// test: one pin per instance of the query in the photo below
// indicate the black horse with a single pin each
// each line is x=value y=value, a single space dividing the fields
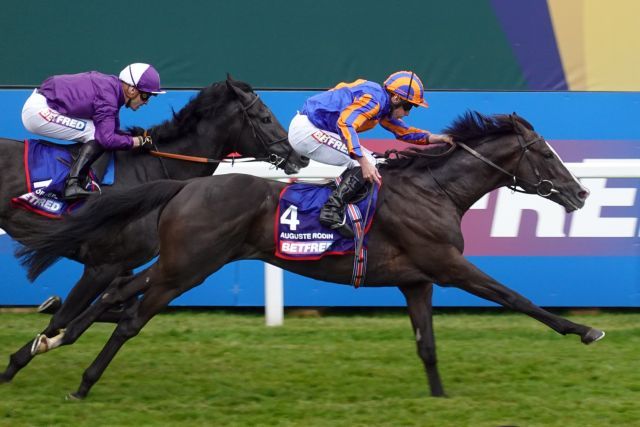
x=415 y=240
x=223 y=118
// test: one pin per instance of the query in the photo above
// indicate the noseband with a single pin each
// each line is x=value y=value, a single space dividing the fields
x=273 y=158
x=544 y=187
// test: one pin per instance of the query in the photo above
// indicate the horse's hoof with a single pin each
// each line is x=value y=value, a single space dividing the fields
x=592 y=336
x=51 y=305
x=74 y=396
x=39 y=345
x=4 y=379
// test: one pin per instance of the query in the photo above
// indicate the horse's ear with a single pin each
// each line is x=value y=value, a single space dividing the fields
x=229 y=78
x=515 y=122
x=233 y=87
x=244 y=97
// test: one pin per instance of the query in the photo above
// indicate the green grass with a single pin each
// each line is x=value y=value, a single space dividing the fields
x=214 y=368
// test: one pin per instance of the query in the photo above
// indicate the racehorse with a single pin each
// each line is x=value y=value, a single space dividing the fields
x=223 y=118
x=414 y=242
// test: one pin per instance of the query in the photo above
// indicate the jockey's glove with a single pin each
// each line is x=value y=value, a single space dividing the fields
x=146 y=143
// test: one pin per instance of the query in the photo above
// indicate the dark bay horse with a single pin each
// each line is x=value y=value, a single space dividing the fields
x=223 y=118
x=415 y=240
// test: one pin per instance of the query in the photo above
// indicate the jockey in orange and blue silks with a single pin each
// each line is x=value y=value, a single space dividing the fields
x=326 y=130
x=355 y=107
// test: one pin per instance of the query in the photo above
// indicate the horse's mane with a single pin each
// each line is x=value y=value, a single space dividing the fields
x=471 y=128
x=204 y=104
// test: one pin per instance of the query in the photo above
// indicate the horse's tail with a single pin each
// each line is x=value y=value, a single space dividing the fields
x=45 y=243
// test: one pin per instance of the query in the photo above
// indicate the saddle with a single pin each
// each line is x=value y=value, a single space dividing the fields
x=47 y=167
x=46 y=154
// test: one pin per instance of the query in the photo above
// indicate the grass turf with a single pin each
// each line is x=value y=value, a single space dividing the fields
x=217 y=368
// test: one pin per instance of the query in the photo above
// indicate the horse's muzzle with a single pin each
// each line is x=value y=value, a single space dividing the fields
x=291 y=169
x=294 y=164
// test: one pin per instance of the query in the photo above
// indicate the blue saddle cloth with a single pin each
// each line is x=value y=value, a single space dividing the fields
x=46 y=169
x=299 y=234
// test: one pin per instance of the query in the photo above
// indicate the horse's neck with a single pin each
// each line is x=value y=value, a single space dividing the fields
x=195 y=145
x=135 y=168
x=466 y=179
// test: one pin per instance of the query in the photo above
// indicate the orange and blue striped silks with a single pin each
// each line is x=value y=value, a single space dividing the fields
x=359 y=116
x=406 y=133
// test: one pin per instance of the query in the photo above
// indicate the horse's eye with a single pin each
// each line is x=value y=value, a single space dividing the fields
x=548 y=155
x=266 y=120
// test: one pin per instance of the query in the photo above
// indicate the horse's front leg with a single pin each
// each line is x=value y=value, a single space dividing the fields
x=457 y=271
x=93 y=281
x=419 y=304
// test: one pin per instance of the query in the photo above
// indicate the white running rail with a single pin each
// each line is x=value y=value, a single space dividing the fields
x=274 y=293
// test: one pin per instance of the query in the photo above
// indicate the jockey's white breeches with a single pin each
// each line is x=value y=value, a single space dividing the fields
x=321 y=145
x=39 y=118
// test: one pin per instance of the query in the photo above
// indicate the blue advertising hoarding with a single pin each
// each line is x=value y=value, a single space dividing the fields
x=589 y=258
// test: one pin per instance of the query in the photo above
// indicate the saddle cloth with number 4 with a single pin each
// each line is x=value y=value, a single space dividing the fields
x=299 y=234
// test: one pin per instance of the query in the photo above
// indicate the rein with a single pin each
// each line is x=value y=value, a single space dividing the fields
x=540 y=186
x=544 y=187
x=271 y=159
x=414 y=153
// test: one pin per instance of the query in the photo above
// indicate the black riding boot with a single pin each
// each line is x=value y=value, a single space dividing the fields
x=332 y=214
x=88 y=154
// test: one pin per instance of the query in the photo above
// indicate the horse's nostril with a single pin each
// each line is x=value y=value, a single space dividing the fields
x=583 y=195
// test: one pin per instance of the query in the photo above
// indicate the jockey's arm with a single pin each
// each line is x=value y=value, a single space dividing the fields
x=406 y=133
x=351 y=119
x=414 y=135
x=435 y=138
x=369 y=170
x=106 y=134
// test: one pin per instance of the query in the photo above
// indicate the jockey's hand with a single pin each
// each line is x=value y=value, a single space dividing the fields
x=143 y=143
x=435 y=138
x=369 y=171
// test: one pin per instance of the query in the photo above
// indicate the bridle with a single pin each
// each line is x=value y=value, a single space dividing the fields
x=544 y=187
x=272 y=158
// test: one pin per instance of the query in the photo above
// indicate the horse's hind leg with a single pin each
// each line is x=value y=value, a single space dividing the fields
x=468 y=277
x=93 y=281
x=119 y=291
x=419 y=304
x=52 y=304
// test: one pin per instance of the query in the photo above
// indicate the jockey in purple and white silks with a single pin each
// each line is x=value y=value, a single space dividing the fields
x=85 y=108
x=326 y=130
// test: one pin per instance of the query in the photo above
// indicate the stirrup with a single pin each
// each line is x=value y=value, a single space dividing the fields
x=341 y=227
x=345 y=230
x=77 y=195
x=74 y=191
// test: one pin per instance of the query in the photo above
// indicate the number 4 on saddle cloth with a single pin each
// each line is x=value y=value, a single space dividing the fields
x=46 y=169
x=300 y=236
